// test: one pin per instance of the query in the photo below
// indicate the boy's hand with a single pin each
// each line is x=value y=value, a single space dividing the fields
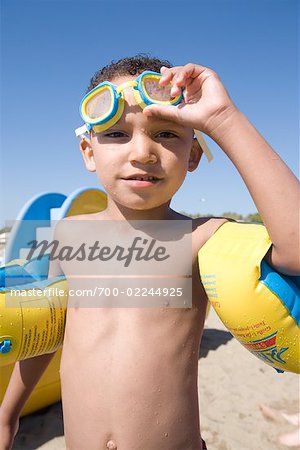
x=206 y=101
x=8 y=432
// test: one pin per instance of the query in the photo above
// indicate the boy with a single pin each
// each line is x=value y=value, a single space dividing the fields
x=137 y=387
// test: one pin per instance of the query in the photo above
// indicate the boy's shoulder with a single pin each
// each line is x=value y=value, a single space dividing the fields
x=63 y=223
x=70 y=224
x=205 y=227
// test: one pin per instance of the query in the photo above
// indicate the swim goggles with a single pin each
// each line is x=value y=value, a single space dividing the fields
x=103 y=106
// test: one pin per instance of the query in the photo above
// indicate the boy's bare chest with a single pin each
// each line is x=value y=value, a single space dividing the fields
x=150 y=334
x=147 y=327
x=164 y=332
x=137 y=329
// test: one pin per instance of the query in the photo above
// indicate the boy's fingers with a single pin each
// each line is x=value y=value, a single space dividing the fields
x=163 y=69
x=190 y=74
x=193 y=85
x=168 y=74
x=175 y=90
x=182 y=76
x=191 y=77
x=185 y=72
x=192 y=70
x=166 y=78
x=177 y=84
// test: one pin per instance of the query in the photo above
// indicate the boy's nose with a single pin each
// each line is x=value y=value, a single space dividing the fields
x=142 y=151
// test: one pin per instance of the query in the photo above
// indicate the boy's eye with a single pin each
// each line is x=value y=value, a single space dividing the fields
x=166 y=135
x=115 y=134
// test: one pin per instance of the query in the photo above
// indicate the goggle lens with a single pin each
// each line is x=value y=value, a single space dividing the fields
x=98 y=105
x=156 y=92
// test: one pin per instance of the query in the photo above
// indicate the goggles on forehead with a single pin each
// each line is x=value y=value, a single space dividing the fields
x=103 y=106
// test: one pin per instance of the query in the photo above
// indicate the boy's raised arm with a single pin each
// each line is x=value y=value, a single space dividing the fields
x=272 y=185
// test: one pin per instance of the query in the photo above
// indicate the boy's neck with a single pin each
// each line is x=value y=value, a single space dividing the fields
x=116 y=211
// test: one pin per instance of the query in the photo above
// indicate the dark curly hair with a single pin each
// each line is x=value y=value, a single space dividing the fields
x=133 y=65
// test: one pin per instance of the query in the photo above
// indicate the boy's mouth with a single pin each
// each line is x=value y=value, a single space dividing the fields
x=142 y=177
x=142 y=180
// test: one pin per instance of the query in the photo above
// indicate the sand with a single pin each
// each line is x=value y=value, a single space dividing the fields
x=232 y=383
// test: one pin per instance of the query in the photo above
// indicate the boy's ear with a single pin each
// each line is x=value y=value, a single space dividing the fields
x=88 y=154
x=195 y=156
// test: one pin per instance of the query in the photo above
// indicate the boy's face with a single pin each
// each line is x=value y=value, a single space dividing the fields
x=138 y=146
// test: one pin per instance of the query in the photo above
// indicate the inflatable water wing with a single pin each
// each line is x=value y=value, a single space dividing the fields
x=34 y=312
x=30 y=326
x=259 y=306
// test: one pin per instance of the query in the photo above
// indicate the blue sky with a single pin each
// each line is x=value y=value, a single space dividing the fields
x=50 y=50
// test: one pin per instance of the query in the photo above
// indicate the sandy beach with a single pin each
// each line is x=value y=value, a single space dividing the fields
x=232 y=383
